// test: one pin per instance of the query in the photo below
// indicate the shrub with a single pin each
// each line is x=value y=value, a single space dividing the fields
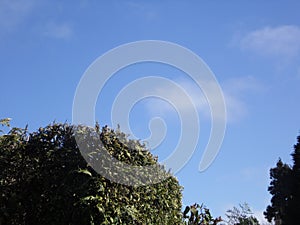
x=44 y=179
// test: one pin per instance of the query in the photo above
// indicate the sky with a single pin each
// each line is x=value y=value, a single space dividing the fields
x=252 y=48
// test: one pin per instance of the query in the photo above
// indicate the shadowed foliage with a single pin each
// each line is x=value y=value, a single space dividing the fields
x=241 y=215
x=199 y=215
x=44 y=179
x=285 y=191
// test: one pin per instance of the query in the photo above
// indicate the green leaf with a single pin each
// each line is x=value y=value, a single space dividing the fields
x=85 y=171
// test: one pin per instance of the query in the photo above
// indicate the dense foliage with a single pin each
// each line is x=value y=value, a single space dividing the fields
x=44 y=179
x=285 y=191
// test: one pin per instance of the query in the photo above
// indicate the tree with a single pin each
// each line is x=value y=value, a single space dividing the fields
x=241 y=216
x=198 y=215
x=293 y=209
x=5 y=122
x=44 y=179
x=285 y=191
x=280 y=189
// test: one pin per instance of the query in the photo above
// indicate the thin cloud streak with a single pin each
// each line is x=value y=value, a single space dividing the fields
x=282 y=41
x=144 y=10
x=14 y=12
x=58 y=31
x=232 y=90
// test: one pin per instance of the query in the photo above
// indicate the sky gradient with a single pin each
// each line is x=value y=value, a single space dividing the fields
x=252 y=47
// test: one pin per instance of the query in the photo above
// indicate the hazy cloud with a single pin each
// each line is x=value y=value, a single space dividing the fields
x=142 y=9
x=283 y=41
x=233 y=89
x=298 y=73
x=236 y=90
x=259 y=214
x=59 y=31
x=197 y=98
x=13 y=12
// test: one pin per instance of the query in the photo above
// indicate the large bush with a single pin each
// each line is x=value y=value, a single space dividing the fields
x=45 y=180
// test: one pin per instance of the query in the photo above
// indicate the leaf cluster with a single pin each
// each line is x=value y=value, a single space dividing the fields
x=198 y=215
x=46 y=179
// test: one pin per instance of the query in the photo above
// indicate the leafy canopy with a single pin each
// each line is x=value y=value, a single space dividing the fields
x=44 y=179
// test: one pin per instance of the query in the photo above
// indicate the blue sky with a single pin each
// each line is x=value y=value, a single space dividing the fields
x=253 y=48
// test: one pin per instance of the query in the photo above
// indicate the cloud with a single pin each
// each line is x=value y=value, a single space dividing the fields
x=58 y=31
x=144 y=10
x=233 y=90
x=254 y=175
x=14 y=12
x=236 y=91
x=259 y=214
x=298 y=73
x=282 y=41
x=197 y=99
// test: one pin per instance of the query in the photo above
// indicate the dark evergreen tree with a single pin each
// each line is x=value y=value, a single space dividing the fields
x=285 y=191
x=280 y=189
x=293 y=210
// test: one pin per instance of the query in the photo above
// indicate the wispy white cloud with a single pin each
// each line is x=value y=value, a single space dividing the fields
x=298 y=73
x=282 y=41
x=58 y=30
x=142 y=9
x=237 y=85
x=162 y=107
x=248 y=175
x=233 y=91
x=14 y=12
x=259 y=214
x=236 y=90
x=197 y=99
